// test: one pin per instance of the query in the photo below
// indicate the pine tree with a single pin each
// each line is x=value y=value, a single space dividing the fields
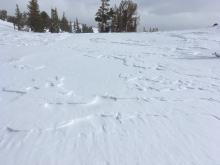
x=70 y=27
x=116 y=19
x=74 y=26
x=77 y=28
x=102 y=16
x=11 y=19
x=34 y=19
x=3 y=15
x=86 y=29
x=64 y=25
x=125 y=17
x=18 y=18
x=24 y=19
x=55 y=23
x=45 y=20
x=111 y=15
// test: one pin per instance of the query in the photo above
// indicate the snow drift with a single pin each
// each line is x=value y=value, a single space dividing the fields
x=109 y=99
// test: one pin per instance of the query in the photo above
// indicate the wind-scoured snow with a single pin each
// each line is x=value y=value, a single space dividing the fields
x=109 y=99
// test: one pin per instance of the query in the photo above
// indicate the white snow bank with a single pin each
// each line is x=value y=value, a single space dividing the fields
x=6 y=25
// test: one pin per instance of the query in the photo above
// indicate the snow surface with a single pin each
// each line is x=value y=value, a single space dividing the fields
x=109 y=99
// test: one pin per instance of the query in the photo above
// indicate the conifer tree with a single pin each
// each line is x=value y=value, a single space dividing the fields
x=34 y=19
x=11 y=19
x=102 y=16
x=45 y=20
x=74 y=26
x=125 y=17
x=64 y=25
x=115 y=19
x=111 y=14
x=77 y=28
x=18 y=18
x=24 y=19
x=3 y=15
x=55 y=23
x=86 y=29
x=70 y=27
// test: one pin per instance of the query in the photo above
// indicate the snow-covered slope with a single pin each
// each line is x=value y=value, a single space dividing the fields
x=6 y=25
x=110 y=99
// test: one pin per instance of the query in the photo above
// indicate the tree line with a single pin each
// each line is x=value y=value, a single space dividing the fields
x=122 y=18
x=117 y=18
x=40 y=21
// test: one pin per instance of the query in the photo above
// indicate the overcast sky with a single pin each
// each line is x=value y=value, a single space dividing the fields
x=165 y=14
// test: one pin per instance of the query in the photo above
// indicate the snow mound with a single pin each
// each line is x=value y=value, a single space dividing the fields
x=4 y=25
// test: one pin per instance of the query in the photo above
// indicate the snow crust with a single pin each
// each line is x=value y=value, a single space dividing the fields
x=109 y=99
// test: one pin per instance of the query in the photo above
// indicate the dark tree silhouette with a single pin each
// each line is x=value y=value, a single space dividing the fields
x=34 y=18
x=102 y=16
